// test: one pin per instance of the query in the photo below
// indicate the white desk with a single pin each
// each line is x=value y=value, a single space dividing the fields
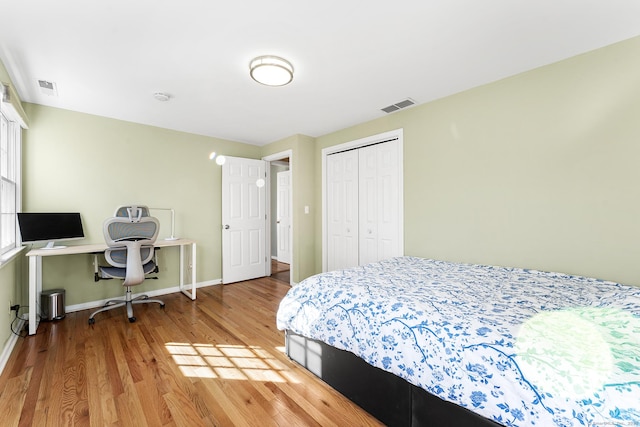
x=35 y=270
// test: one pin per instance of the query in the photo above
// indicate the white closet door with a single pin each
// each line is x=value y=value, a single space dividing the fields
x=390 y=191
x=368 y=202
x=379 y=201
x=342 y=214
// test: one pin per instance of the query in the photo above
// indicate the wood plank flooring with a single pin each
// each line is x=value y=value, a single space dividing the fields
x=280 y=271
x=216 y=361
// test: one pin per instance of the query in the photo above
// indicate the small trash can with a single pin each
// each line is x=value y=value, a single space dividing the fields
x=52 y=304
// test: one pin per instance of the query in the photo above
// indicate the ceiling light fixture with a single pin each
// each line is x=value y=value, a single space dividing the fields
x=271 y=70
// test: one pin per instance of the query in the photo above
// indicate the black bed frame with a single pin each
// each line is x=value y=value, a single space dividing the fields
x=387 y=397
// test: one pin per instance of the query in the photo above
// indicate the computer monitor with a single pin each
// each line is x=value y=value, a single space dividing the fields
x=50 y=227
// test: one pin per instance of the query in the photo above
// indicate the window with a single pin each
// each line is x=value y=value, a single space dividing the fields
x=10 y=142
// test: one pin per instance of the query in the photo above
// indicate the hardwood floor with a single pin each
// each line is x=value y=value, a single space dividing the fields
x=280 y=271
x=216 y=361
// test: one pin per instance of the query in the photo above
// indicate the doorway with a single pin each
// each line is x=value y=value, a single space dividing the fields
x=280 y=271
x=280 y=210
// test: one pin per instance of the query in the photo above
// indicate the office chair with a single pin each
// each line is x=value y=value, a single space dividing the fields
x=130 y=236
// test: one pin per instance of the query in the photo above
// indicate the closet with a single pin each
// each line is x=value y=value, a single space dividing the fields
x=363 y=204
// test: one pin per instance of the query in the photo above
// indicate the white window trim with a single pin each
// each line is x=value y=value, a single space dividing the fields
x=15 y=125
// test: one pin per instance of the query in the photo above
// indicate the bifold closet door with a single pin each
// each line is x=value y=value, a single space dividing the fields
x=342 y=210
x=379 y=201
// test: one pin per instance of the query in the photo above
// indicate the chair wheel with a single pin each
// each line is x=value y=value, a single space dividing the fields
x=92 y=321
x=132 y=319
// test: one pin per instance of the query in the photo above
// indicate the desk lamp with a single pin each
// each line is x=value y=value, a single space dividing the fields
x=173 y=222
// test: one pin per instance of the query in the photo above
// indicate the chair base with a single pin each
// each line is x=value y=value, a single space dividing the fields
x=128 y=303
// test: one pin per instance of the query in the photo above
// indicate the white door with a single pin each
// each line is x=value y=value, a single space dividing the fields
x=379 y=200
x=243 y=219
x=342 y=210
x=284 y=217
x=362 y=196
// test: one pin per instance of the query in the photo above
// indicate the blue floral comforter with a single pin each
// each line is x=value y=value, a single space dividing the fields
x=520 y=347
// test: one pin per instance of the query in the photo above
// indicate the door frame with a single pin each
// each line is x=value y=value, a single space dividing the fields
x=287 y=154
x=352 y=145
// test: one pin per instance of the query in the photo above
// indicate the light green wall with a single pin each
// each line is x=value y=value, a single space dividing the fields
x=304 y=188
x=539 y=170
x=90 y=164
x=10 y=278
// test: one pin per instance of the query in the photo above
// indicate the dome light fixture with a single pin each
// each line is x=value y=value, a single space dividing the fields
x=271 y=70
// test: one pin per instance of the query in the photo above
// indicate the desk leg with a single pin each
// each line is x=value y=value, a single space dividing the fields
x=35 y=288
x=191 y=294
x=193 y=271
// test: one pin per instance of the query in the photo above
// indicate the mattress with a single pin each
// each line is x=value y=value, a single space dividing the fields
x=520 y=347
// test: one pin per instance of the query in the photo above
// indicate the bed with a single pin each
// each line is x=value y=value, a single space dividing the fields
x=410 y=339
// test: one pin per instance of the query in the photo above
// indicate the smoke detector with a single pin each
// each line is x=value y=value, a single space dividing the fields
x=161 y=96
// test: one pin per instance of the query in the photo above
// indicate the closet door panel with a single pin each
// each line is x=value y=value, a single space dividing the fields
x=379 y=201
x=342 y=197
x=388 y=201
x=368 y=202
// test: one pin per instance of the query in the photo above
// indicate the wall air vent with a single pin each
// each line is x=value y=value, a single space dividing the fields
x=399 y=105
x=48 y=88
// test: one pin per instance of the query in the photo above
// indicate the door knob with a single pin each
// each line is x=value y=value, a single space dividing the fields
x=226 y=226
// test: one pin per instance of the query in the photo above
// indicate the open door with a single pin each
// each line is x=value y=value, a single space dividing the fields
x=243 y=220
x=284 y=217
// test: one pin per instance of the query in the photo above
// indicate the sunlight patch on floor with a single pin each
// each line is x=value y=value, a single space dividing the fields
x=226 y=361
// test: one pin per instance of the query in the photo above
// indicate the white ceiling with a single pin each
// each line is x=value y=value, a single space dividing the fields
x=351 y=57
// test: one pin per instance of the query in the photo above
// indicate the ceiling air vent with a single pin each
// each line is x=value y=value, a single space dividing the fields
x=398 y=105
x=48 y=88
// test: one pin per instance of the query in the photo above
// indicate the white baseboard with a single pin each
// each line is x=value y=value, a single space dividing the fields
x=157 y=292
x=8 y=348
